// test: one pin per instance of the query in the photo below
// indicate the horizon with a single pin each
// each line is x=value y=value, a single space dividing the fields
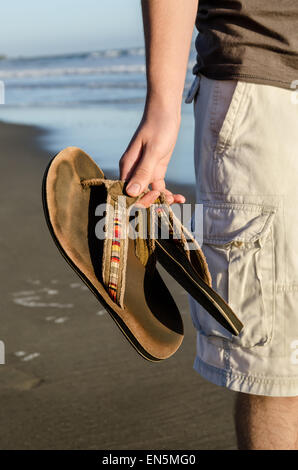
x=64 y=54
x=78 y=52
x=32 y=28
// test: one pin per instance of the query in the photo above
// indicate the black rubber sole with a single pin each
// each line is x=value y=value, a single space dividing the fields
x=196 y=287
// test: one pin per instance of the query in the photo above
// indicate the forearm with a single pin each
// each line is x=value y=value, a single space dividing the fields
x=168 y=28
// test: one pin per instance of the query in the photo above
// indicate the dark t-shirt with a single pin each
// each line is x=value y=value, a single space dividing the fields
x=249 y=40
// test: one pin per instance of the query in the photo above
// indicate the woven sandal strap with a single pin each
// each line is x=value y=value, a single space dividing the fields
x=116 y=246
x=115 y=249
x=183 y=239
x=168 y=221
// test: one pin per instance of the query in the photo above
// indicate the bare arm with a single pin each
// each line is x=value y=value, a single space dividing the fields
x=168 y=27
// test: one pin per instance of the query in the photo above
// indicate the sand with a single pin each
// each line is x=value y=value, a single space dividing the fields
x=71 y=381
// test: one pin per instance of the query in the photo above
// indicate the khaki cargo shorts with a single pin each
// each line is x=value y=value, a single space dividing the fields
x=246 y=163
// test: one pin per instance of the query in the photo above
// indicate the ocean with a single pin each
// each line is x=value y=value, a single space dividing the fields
x=92 y=100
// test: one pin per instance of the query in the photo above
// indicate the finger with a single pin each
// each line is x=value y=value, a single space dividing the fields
x=169 y=196
x=179 y=198
x=160 y=185
x=148 y=199
x=129 y=160
x=142 y=175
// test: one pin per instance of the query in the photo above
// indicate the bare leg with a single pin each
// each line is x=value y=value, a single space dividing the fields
x=266 y=422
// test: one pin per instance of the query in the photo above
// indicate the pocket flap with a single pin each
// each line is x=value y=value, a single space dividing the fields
x=227 y=222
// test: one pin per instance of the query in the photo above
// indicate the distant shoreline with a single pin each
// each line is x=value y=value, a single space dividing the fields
x=30 y=135
x=138 y=49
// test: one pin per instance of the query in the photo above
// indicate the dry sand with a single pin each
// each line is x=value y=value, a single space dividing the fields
x=71 y=381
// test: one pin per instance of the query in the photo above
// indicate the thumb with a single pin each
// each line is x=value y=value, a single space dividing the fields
x=142 y=175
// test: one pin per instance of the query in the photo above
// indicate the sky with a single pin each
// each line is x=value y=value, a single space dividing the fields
x=39 y=27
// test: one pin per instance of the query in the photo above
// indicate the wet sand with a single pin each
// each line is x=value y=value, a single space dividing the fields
x=71 y=381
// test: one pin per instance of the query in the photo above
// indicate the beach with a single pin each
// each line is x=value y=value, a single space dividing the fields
x=71 y=380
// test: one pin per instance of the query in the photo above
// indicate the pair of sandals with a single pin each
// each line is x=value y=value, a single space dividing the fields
x=113 y=245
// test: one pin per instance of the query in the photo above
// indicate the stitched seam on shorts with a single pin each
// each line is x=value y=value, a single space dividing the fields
x=271 y=331
x=264 y=379
x=224 y=195
x=214 y=133
x=246 y=207
x=224 y=241
x=285 y=251
x=251 y=378
x=229 y=123
x=287 y=288
x=213 y=113
x=285 y=227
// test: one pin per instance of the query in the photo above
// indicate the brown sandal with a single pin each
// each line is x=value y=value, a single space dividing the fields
x=120 y=271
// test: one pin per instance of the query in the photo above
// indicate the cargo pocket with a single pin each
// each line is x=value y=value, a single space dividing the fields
x=239 y=247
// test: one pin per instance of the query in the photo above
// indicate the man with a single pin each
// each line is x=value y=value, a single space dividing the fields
x=246 y=161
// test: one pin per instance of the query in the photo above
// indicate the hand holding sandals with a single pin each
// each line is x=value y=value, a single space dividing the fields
x=147 y=156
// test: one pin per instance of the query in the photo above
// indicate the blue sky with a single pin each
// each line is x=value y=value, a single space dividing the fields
x=38 y=27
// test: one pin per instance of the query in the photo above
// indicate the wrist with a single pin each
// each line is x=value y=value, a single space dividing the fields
x=167 y=105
